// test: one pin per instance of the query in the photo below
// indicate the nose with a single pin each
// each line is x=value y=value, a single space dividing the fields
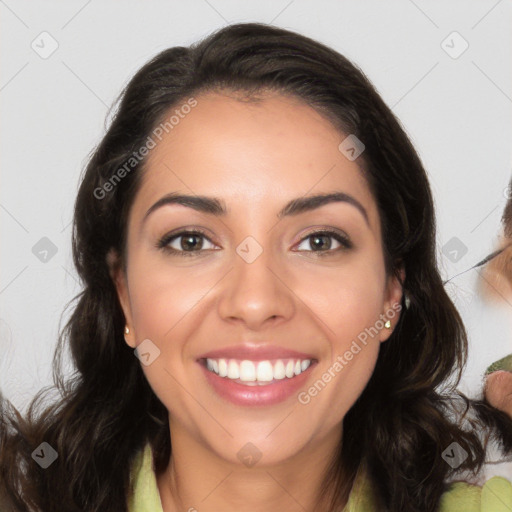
x=256 y=294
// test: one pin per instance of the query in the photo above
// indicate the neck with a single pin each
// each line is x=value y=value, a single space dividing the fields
x=198 y=479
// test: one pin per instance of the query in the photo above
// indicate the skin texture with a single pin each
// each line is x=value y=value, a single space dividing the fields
x=255 y=156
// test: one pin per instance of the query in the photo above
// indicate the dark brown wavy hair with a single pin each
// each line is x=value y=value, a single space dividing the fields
x=410 y=410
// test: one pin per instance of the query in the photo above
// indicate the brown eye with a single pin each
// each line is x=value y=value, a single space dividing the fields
x=322 y=242
x=184 y=243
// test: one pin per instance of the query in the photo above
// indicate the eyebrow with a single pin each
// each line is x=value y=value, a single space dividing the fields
x=216 y=207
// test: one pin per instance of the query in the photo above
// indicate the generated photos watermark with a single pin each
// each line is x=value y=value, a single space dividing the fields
x=305 y=397
x=150 y=143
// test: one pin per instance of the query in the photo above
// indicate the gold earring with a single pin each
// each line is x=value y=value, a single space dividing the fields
x=126 y=330
x=387 y=325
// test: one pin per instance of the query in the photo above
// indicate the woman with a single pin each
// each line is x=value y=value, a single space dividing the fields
x=258 y=230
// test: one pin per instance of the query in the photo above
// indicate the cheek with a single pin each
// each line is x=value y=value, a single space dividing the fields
x=349 y=302
x=162 y=303
x=347 y=299
x=161 y=297
x=354 y=346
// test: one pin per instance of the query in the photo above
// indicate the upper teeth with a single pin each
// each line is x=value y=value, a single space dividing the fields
x=260 y=371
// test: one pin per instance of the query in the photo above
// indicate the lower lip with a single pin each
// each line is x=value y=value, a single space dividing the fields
x=240 y=394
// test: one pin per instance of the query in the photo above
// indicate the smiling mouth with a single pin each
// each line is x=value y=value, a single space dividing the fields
x=257 y=373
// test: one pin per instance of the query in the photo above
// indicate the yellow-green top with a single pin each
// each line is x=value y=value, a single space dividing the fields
x=494 y=496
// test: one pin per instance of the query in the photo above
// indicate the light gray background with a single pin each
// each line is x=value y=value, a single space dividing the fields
x=456 y=110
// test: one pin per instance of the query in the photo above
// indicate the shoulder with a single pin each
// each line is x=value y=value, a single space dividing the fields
x=494 y=496
x=145 y=496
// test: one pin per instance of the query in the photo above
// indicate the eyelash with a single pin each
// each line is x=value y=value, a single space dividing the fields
x=345 y=242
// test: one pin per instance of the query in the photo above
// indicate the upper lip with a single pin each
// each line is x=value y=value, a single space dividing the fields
x=255 y=353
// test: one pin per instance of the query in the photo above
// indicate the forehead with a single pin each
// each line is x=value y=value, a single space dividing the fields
x=251 y=153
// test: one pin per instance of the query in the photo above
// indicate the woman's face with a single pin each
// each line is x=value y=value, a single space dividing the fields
x=257 y=293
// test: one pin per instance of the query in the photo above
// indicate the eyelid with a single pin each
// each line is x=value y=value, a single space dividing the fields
x=163 y=242
x=335 y=233
x=324 y=229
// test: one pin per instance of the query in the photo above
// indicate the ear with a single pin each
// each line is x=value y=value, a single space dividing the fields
x=118 y=276
x=392 y=302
